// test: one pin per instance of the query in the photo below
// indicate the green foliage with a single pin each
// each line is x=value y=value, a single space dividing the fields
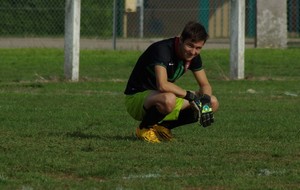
x=96 y=18
x=57 y=134
x=35 y=17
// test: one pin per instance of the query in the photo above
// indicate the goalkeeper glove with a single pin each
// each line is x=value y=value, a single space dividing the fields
x=202 y=105
x=207 y=116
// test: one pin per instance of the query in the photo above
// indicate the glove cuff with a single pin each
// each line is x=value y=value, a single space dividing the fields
x=205 y=98
x=190 y=96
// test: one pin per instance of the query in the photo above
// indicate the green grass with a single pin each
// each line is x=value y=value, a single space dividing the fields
x=56 y=134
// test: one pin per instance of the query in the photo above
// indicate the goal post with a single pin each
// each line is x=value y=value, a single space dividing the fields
x=237 y=39
x=72 y=39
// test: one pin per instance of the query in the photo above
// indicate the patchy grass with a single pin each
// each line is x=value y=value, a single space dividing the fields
x=64 y=135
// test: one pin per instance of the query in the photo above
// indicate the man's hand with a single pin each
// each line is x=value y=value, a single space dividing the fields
x=202 y=105
x=207 y=116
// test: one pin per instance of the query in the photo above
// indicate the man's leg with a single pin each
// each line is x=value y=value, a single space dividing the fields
x=135 y=107
x=186 y=116
x=152 y=117
x=147 y=129
x=157 y=105
x=161 y=104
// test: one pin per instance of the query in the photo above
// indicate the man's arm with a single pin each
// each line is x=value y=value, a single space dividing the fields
x=163 y=85
x=204 y=86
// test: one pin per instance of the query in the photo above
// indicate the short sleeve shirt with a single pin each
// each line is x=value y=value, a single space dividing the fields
x=159 y=53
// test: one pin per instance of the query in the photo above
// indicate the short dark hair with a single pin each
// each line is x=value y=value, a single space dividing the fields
x=194 y=31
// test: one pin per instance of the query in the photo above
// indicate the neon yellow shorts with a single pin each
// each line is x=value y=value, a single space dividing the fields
x=135 y=106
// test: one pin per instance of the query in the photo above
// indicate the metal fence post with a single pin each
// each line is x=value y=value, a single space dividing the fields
x=141 y=21
x=115 y=25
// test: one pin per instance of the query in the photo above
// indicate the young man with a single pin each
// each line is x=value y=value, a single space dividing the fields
x=153 y=98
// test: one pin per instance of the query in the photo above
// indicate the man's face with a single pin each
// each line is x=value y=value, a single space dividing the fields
x=190 y=49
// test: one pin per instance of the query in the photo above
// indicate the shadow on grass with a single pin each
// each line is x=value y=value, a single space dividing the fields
x=81 y=135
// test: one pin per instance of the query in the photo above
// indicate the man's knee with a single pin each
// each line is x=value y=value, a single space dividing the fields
x=214 y=103
x=167 y=103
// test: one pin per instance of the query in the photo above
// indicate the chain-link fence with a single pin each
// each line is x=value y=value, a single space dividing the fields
x=165 y=18
x=136 y=20
x=294 y=18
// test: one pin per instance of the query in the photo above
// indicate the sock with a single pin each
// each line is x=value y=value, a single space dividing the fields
x=153 y=116
x=185 y=117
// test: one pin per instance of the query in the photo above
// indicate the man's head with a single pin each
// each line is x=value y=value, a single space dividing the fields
x=194 y=31
x=192 y=39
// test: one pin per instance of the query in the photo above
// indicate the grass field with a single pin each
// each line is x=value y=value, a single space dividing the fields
x=57 y=134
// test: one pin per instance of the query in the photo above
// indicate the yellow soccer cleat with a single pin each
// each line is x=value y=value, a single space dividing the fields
x=163 y=132
x=148 y=135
